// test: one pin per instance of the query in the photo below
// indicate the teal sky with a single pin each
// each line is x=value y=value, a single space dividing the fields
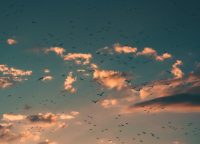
x=149 y=94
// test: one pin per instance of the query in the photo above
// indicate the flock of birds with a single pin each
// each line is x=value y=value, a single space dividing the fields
x=17 y=9
x=138 y=136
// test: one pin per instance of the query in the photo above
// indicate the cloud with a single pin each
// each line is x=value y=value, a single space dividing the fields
x=47 y=78
x=93 y=66
x=163 y=57
x=12 y=117
x=68 y=83
x=79 y=58
x=109 y=103
x=153 y=53
x=110 y=79
x=160 y=88
x=13 y=71
x=66 y=116
x=126 y=98
x=148 y=51
x=124 y=49
x=176 y=71
x=117 y=48
x=47 y=118
x=176 y=103
x=11 y=41
x=46 y=70
x=105 y=50
x=58 y=50
x=23 y=129
x=12 y=75
x=74 y=113
x=5 y=82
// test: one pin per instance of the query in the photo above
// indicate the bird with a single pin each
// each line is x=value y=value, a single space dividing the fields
x=95 y=101
x=100 y=94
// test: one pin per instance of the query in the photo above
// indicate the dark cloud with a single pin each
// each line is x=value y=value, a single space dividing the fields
x=188 y=99
x=42 y=118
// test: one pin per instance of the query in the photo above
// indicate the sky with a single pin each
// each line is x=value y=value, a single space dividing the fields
x=99 y=72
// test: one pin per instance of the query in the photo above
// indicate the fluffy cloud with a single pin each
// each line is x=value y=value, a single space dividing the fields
x=110 y=79
x=153 y=53
x=124 y=49
x=58 y=50
x=79 y=58
x=176 y=71
x=68 y=83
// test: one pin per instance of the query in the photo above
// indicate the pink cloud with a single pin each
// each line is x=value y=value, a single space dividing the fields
x=11 y=41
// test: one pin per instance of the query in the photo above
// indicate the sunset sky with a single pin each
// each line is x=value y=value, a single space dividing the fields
x=99 y=72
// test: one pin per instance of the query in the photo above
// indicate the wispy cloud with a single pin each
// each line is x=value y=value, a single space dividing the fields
x=117 y=48
x=79 y=58
x=5 y=82
x=13 y=71
x=58 y=50
x=12 y=75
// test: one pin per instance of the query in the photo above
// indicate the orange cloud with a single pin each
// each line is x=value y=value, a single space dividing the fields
x=124 y=49
x=78 y=57
x=47 y=78
x=68 y=83
x=153 y=53
x=5 y=82
x=176 y=71
x=163 y=57
x=109 y=103
x=13 y=71
x=12 y=75
x=110 y=79
x=58 y=50
x=12 y=117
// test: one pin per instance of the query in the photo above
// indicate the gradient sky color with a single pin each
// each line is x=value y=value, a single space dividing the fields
x=99 y=72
